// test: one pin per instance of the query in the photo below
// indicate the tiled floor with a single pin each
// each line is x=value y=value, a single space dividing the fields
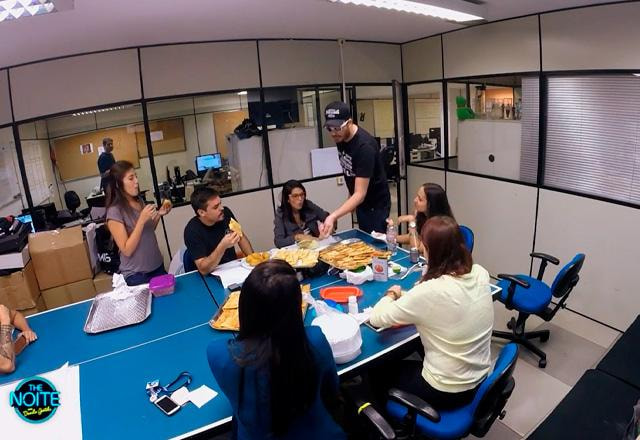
x=575 y=345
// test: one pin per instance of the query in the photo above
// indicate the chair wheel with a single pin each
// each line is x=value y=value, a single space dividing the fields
x=542 y=363
x=544 y=338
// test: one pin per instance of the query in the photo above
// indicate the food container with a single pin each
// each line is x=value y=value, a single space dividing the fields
x=340 y=294
x=162 y=285
x=343 y=334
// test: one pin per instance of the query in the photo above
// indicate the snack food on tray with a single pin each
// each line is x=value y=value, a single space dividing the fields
x=257 y=258
x=351 y=255
x=297 y=257
x=228 y=318
x=235 y=227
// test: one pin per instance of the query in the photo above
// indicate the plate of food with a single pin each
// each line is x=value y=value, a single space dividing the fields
x=350 y=254
x=297 y=258
x=252 y=260
x=227 y=318
x=308 y=244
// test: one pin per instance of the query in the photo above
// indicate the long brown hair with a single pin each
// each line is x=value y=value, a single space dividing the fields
x=447 y=253
x=114 y=188
x=437 y=204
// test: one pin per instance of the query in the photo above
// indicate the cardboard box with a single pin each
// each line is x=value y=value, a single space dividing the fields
x=40 y=307
x=15 y=260
x=103 y=282
x=19 y=290
x=69 y=294
x=59 y=257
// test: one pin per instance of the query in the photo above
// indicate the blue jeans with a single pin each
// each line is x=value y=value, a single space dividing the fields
x=373 y=219
x=138 y=278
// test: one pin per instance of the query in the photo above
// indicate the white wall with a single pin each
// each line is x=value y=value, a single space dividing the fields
x=289 y=62
x=608 y=234
x=74 y=83
x=501 y=47
x=5 y=104
x=422 y=60
x=502 y=217
x=602 y=37
x=371 y=62
x=190 y=68
x=416 y=176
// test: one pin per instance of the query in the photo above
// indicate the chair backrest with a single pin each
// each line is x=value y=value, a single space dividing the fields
x=72 y=200
x=493 y=393
x=467 y=235
x=187 y=261
x=568 y=277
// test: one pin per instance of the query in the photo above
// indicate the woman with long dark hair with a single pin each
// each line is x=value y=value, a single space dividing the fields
x=430 y=201
x=297 y=217
x=277 y=374
x=132 y=225
x=453 y=312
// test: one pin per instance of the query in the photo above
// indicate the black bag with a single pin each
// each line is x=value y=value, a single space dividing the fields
x=108 y=252
x=247 y=129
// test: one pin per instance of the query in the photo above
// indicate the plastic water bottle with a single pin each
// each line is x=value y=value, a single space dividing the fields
x=353 y=305
x=414 y=253
x=392 y=235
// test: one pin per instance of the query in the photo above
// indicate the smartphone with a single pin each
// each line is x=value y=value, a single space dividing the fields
x=166 y=405
x=375 y=329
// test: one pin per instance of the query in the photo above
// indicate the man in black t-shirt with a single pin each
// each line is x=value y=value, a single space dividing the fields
x=105 y=160
x=207 y=235
x=363 y=172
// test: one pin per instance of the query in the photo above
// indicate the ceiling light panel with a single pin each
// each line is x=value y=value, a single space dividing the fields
x=415 y=7
x=14 y=9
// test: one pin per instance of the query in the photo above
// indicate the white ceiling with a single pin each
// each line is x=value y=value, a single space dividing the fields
x=107 y=24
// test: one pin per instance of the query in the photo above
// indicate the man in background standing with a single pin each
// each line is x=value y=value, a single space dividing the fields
x=105 y=160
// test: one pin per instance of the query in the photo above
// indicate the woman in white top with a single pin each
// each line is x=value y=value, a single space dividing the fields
x=453 y=312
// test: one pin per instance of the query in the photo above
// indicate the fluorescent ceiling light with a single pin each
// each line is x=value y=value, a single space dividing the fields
x=415 y=8
x=244 y=92
x=636 y=74
x=13 y=9
x=99 y=110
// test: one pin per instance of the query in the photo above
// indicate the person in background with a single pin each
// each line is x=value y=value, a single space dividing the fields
x=297 y=217
x=132 y=225
x=430 y=201
x=363 y=171
x=10 y=319
x=279 y=376
x=105 y=161
x=452 y=310
x=207 y=235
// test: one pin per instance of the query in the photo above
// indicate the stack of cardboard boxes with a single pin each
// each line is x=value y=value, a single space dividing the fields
x=61 y=263
x=19 y=289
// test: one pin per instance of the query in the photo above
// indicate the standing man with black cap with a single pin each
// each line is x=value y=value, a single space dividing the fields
x=363 y=172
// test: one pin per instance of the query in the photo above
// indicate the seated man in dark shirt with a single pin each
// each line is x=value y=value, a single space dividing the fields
x=207 y=235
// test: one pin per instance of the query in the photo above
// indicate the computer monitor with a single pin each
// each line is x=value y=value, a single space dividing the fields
x=208 y=161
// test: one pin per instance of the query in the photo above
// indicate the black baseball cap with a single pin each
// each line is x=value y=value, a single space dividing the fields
x=336 y=114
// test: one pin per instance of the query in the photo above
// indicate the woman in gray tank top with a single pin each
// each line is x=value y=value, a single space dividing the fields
x=132 y=225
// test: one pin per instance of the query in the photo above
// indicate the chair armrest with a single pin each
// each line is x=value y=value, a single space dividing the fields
x=414 y=402
x=380 y=424
x=513 y=279
x=550 y=258
x=511 y=290
x=546 y=258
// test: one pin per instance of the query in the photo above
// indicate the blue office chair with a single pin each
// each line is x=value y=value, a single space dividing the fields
x=187 y=261
x=531 y=296
x=475 y=418
x=467 y=235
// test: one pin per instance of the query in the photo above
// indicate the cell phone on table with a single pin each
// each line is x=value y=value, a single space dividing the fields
x=375 y=329
x=166 y=405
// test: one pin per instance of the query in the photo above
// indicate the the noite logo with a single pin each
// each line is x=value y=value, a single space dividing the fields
x=35 y=399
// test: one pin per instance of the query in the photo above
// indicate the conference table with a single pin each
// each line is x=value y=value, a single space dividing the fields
x=115 y=366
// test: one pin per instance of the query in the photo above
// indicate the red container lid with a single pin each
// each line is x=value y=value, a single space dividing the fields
x=340 y=294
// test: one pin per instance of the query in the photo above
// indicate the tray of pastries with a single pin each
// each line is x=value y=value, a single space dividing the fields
x=351 y=254
x=228 y=318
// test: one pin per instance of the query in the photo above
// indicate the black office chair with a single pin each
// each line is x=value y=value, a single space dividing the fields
x=72 y=201
x=531 y=296
x=391 y=169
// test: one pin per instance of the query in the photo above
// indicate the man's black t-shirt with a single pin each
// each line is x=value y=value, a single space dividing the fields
x=201 y=239
x=360 y=157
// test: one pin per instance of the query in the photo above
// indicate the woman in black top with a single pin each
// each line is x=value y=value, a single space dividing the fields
x=297 y=218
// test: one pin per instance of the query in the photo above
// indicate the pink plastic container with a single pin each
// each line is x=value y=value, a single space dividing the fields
x=162 y=285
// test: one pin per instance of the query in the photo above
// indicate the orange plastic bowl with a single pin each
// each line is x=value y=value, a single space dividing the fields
x=340 y=294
